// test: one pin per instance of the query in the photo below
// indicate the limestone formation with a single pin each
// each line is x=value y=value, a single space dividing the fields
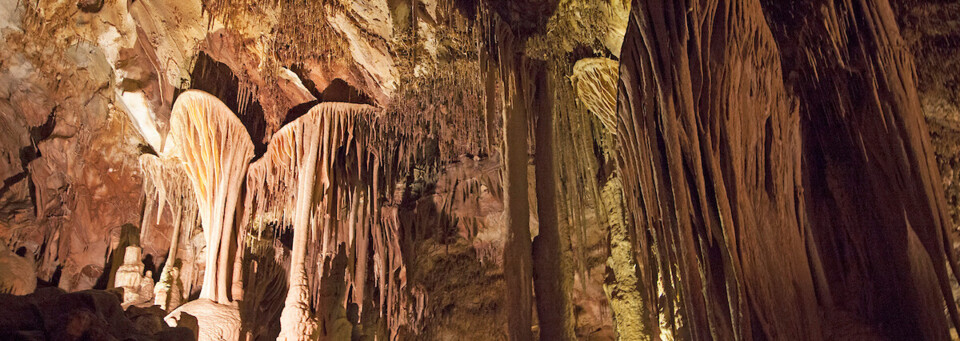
x=169 y=292
x=300 y=170
x=215 y=149
x=130 y=275
x=166 y=185
x=479 y=170
x=209 y=320
x=18 y=275
x=721 y=146
x=595 y=80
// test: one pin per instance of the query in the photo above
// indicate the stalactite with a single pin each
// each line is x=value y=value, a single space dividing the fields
x=594 y=80
x=709 y=150
x=316 y=169
x=173 y=190
x=877 y=220
x=215 y=149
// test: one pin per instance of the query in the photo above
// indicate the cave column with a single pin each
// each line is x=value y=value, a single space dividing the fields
x=553 y=305
x=516 y=254
x=295 y=320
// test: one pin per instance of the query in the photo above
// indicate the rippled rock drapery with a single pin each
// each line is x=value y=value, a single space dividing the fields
x=718 y=155
x=595 y=81
x=215 y=150
x=709 y=145
x=322 y=178
x=872 y=188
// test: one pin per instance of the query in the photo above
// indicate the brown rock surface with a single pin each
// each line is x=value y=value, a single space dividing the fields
x=766 y=173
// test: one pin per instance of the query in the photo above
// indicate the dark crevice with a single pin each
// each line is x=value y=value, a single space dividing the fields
x=301 y=73
x=217 y=79
x=341 y=91
x=298 y=111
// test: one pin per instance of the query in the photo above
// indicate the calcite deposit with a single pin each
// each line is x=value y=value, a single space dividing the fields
x=479 y=169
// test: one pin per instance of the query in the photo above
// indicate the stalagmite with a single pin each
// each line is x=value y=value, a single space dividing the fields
x=130 y=277
x=307 y=179
x=215 y=150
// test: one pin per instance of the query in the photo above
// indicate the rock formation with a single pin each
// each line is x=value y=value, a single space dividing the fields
x=208 y=320
x=708 y=180
x=18 y=275
x=130 y=278
x=489 y=169
x=595 y=82
x=215 y=150
x=166 y=185
x=314 y=166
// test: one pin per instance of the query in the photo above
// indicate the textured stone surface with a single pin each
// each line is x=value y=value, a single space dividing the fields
x=763 y=118
x=209 y=320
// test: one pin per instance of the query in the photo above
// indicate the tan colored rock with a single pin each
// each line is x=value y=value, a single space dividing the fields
x=215 y=149
x=595 y=81
x=210 y=320
x=168 y=293
x=18 y=275
x=130 y=276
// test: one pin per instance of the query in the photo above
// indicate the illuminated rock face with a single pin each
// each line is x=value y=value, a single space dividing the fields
x=209 y=320
x=215 y=150
x=299 y=169
x=18 y=275
x=167 y=186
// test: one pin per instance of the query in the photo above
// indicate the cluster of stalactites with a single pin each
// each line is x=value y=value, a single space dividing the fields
x=215 y=150
x=210 y=141
x=595 y=81
x=166 y=185
x=351 y=176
